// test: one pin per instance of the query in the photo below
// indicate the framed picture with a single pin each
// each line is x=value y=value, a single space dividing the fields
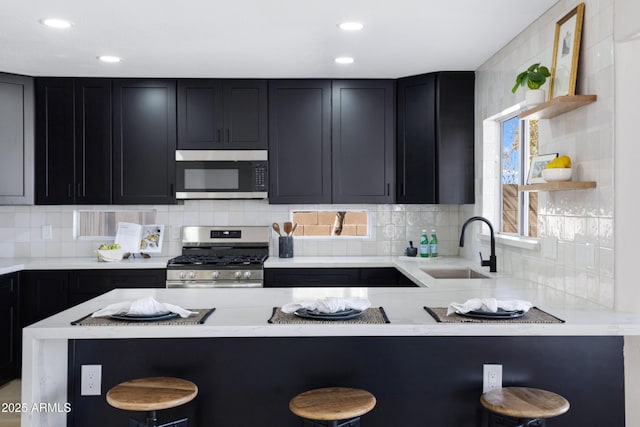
x=537 y=164
x=566 y=49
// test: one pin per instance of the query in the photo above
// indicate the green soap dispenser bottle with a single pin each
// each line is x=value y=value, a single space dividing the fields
x=433 y=244
x=424 y=244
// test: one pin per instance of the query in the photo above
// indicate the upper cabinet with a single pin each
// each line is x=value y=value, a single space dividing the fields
x=144 y=141
x=300 y=141
x=331 y=141
x=363 y=129
x=222 y=114
x=73 y=141
x=435 y=136
x=16 y=140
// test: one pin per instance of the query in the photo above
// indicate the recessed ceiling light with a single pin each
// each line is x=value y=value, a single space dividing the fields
x=55 y=23
x=108 y=58
x=351 y=26
x=344 y=60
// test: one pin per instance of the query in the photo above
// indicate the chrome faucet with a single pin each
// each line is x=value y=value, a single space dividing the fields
x=491 y=262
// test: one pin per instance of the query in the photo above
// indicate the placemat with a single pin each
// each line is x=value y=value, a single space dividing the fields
x=534 y=315
x=372 y=315
x=198 y=319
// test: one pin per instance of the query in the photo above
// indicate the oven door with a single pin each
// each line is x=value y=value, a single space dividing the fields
x=221 y=174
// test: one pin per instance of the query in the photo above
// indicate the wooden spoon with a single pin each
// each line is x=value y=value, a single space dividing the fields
x=276 y=228
x=293 y=230
x=288 y=226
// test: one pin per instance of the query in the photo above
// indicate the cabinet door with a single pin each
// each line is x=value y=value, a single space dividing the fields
x=93 y=141
x=9 y=327
x=87 y=284
x=16 y=140
x=455 y=135
x=55 y=140
x=200 y=115
x=416 y=140
x=311 y=277
x=43 y=294
x=245 y=114
x=300 y=141
x=144 y=141
x=363 y=141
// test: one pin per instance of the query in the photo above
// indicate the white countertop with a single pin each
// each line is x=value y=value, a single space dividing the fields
x=12 y=265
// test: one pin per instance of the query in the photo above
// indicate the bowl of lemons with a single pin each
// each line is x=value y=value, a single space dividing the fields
x=110 y=253
x=558 y=169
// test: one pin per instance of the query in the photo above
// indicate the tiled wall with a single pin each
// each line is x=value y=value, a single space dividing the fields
x=392 y=226
x=576 y=227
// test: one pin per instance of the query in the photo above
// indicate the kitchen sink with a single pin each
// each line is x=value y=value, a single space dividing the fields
x=454 y=273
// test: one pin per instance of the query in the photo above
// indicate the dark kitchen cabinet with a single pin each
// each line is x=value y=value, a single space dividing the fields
x=43 y=293
x=144 y=141
x=9 y=328
x=219 y=114
x=363 y=141
x=335 y=277
x=435 y=136
x=300 y=141
x=87 y=284
x=73 y=141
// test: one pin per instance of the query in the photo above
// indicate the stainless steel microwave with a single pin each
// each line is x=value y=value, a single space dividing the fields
x=221 y=174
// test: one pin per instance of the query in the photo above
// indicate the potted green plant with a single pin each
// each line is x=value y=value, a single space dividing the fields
x=533 y=77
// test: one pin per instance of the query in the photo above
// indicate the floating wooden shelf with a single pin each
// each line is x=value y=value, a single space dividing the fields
x=558 y=186
x=557 y=106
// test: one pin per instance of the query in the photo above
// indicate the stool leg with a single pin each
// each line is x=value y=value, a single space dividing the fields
x=152 y=420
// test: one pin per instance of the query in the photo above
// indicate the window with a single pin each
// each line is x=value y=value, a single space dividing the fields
x=100 y=225
x=331 y=223
x=519 y=210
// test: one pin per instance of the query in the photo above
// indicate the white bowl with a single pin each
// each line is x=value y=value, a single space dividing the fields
x=110 y=255
x=556 y=174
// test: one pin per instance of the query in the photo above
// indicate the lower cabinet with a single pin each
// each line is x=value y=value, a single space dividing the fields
x=9 y=329
x=87 y=284
x=335 y=277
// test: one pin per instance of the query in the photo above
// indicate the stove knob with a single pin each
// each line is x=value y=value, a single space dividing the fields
x=247 y=275
x=237 y=275
x=192 y=274
x=215 y=275
x=182 y=275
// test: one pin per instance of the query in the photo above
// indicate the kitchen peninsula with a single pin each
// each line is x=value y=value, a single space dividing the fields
x=419 y=370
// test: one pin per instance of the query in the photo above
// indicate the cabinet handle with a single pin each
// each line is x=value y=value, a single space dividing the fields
x=218 y=140
x=228 y=135
x=388 y=189
x=69 y=191
x=172 y=191
x=79 y=193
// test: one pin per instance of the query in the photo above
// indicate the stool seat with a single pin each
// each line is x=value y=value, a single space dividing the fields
x=152 y=394
x=524 y=402
x=332 y=403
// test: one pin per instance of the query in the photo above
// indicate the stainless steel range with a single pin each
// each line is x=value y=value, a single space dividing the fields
x=220 y=257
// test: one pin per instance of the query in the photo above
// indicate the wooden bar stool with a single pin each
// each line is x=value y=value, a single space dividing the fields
x=152 y=394
x=333 y=406
x=530 y=406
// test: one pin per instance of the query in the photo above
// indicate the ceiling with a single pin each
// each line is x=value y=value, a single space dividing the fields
x=257 y=38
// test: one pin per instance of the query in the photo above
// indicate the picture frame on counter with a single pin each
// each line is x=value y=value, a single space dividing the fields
x=566 y=51
x=536 y=166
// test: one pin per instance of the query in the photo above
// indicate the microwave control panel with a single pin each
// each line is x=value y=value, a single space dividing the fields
x=260 y=176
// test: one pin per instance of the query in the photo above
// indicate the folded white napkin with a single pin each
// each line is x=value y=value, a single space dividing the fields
x=488 y=304
x=329 y=305
x=144 y=306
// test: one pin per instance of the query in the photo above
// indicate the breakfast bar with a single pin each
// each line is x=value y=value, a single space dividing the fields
x=247 y=369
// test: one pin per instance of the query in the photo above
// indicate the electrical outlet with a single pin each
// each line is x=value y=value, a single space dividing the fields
x=491 y=377
x=90 y=380
x=47 y=232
